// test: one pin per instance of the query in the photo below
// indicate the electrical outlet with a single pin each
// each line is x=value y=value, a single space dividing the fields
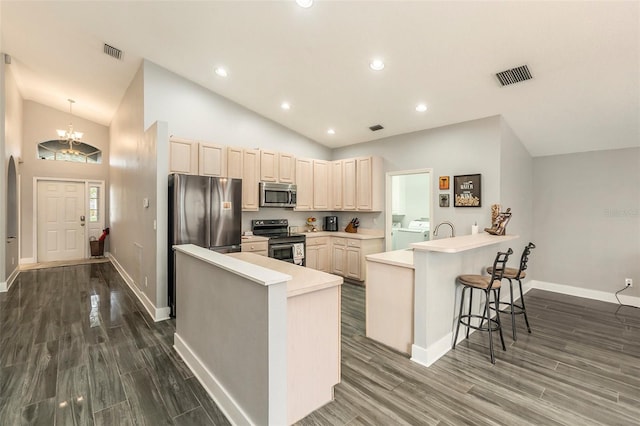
x=628 y=282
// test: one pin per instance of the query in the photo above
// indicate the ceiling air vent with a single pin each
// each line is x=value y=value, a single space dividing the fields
x=376 y=127
x=112 y=51
x=514 y=75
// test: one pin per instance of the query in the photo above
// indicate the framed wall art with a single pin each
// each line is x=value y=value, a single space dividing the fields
x=444 y=200
x=444 y=182
x=467 y=191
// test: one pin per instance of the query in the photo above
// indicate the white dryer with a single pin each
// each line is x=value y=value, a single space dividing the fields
x=417 y=231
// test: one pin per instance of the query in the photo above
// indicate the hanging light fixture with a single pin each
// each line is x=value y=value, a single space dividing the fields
x=70 y=136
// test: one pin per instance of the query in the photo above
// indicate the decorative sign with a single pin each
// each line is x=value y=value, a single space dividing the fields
x=466 y=190
x=444 y=182
x=444 y=200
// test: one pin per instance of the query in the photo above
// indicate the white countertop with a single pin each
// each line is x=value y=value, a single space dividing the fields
x=402 y=258
x=303 y=280
x=356 y=235
x=463 y=243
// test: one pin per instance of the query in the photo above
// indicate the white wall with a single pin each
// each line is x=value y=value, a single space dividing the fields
x=39 y=125
x=586 y=219
x=516 y=191
x=11 y=144
x=464 y=148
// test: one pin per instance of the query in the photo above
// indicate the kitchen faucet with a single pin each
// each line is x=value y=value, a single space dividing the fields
x=446 y=222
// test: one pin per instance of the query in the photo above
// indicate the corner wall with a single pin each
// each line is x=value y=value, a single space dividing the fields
x=587 y=219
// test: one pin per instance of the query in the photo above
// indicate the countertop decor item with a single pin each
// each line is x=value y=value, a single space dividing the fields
x=466 y=191
x=499 y=223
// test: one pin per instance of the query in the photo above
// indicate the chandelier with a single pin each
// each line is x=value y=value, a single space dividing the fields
x=70 y=136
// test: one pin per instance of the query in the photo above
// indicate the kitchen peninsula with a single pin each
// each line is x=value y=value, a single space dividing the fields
x=434 y=268
x=261 y=335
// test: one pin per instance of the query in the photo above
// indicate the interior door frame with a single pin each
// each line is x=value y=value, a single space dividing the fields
x=87 y=184
x=388 y=217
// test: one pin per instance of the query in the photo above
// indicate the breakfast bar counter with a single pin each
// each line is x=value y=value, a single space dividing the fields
x=437 y=263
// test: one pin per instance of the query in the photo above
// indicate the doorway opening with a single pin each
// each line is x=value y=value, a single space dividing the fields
x=409 y=208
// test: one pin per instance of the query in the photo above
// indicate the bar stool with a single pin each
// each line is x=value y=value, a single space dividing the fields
x=516 y=274
x=488 y=284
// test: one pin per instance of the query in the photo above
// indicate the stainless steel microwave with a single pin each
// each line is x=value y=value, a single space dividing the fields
x=277 y=194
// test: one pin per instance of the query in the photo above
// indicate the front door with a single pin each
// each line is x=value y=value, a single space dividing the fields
x=61 y=221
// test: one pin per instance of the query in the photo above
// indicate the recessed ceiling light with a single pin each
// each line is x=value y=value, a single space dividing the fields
x=421 y=107
x=376 y=64
x=305 y=3
x=220 y=71
x=285 y=105
x=331 y=132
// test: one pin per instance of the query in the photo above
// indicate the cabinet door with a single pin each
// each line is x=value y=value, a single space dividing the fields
x=250 y=179
x=311 y=257
x=349 y=184
x=364 y=183
x=234 y=162
x=322 y=259
x=212 y=160
x=338 y=251
x=286 y=168
x=320 y=185
x=183 y=156
x=304 y=182
x=269 y=166
x=353 y=256
x=336 y=185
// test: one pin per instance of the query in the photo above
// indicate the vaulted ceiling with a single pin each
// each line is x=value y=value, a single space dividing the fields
x=584 y=58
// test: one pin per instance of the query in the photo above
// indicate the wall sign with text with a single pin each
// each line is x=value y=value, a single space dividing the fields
x=466 y=191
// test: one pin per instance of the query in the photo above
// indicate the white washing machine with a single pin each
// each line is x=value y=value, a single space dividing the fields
x=417 y=231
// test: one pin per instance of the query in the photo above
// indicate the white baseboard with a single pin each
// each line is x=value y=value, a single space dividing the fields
x=157 y=314
x=26 y=260
x=6 y=285
x=210 y=383
x=427 y=356
x=585 y=292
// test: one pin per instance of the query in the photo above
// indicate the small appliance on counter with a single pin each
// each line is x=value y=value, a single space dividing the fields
x=330 y=223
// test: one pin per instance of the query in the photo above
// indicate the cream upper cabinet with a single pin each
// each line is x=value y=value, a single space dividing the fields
x=349 y=197
x=212 y=160
x=304 y=182
x=369 y=184
x=234 y=162
x=336 y=185
x=183 y=156
x=286 y=168
x=250 y=179
x=245 y=164
x=320 y=185
x=268 y=166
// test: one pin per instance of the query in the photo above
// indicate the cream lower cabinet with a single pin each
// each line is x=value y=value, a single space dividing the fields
x=348 y=256
x=317 y=255
x=257 y=247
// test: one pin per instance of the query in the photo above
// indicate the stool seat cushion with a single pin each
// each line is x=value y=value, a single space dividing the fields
x=478 y=281
x=509 y=273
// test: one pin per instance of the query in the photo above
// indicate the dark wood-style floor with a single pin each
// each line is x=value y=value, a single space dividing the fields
x=77 y=348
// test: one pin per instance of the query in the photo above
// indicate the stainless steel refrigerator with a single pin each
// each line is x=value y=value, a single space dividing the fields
x=205 y=211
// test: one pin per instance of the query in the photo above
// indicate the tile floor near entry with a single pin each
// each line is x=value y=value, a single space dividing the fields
x=77 y=348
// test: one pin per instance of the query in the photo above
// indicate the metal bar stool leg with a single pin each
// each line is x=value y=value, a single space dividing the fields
x=487 y=313
x=513 y=310
x=524 y=309
x=497 y=302
x=455 y=339
x=470 y=305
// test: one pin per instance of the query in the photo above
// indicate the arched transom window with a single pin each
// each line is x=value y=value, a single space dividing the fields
x=61 y=150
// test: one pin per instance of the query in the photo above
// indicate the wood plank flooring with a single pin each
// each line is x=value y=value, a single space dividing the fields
x=77 y=348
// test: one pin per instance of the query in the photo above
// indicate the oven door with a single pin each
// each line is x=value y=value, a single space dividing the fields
x=282 y=251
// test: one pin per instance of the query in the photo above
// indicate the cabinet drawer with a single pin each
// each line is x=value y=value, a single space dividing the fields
x=256 y=247
x=317 y=241
x=339 y=241
x=354 y=243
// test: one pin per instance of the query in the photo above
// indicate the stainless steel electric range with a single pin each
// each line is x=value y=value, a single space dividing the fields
x=282 y=244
